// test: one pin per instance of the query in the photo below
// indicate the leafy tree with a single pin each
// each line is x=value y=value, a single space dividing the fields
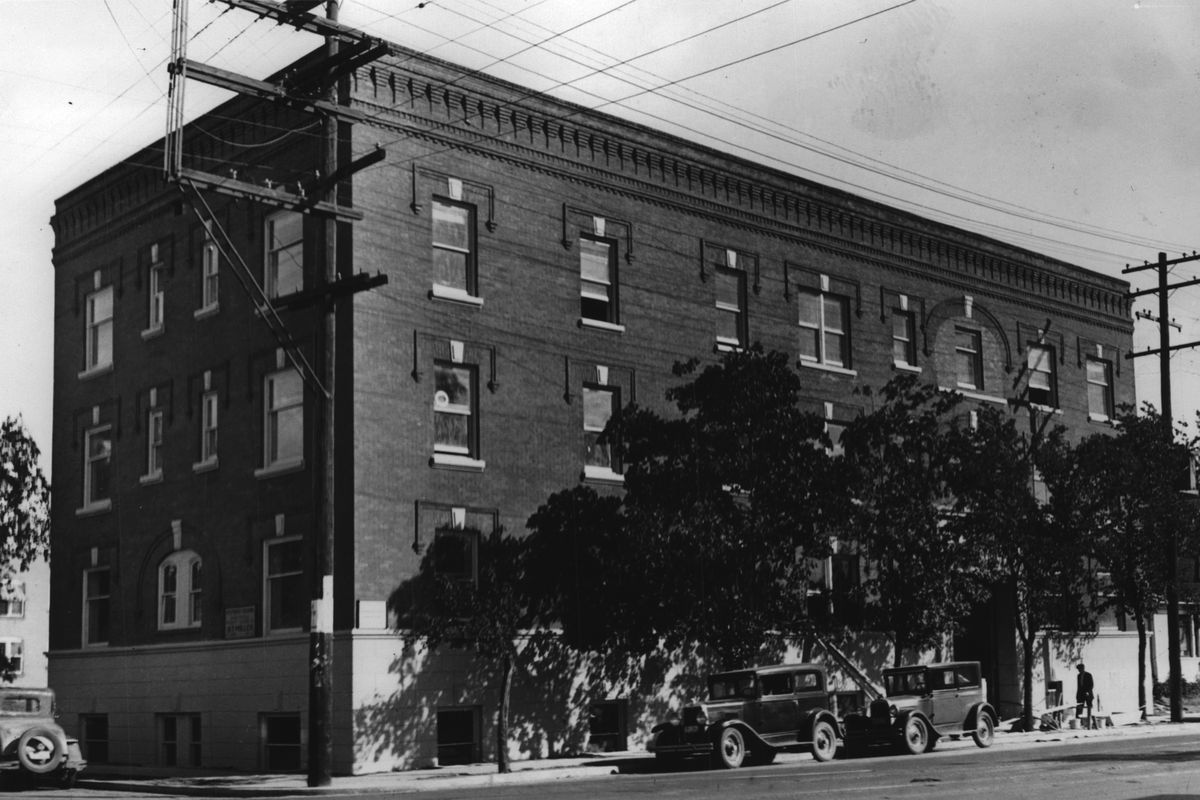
x=1032 y=551
x=706 y=549
x=1125 y=493
x=923 y=577
x=24 y=508
x=488 y=614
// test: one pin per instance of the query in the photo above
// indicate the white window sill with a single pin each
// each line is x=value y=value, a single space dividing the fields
x=600 y=325
x=180 y=626
x=92 y=372
x=153 y=332
x=458 y=462
x=594 y=474
x=1104 y=419
x=987 y=398
x=206 y=312
x=904 y=366
x=728 y=345
x=1046 y=409
x=207 y=465
x=450 y=294
x=828 y=368
x=98 y=507
x=280 y=468
x=153 y=477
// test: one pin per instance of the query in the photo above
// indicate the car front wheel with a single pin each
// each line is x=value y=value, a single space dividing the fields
x=824 y=741
x=39 y=751
x=985 y=729
x=916 y=735
x=731 y=748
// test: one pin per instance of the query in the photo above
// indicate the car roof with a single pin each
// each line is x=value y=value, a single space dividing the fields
x=774 y=668
x=938 y=665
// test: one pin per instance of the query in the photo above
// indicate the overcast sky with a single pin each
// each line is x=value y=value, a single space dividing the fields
x=1070 y=127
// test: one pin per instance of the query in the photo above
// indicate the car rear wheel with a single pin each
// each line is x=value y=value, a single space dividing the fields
x=916 y=735
x=985 y=729
x=824 y=741
x=39 y=751
x=731 y=748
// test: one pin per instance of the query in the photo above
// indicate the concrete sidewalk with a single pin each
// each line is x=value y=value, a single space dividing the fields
x=153 y=781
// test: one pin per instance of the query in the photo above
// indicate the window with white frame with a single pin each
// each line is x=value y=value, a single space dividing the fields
x=210 y=272
x=99 y=344
x=180 y=591
x=1043 y=389
x=208 y=427
x=12 y=601
x=283 y=406
x=97 y=592
x=454 y=264
x=286 y=599
x=904 y=338
x=12 y=650
x=824 y=322
x=598 y=279
x=155 y=293
x=1099 y=388
x=284 y=272
x=455 y=409
x=968 y=355
x=834 y=428
x=154 y=443
x=97 y=468
x=730 y=286
x=600 y=405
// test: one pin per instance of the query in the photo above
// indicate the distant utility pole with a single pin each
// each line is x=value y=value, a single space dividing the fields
x=1165 y=348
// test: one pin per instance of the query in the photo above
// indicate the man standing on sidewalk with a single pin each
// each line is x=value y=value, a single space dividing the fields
x=1083 y=695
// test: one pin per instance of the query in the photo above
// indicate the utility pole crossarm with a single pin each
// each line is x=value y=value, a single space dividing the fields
x=1159 y=351
x=297 y=15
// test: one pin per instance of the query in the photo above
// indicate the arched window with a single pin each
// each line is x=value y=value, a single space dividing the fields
x=179 y=591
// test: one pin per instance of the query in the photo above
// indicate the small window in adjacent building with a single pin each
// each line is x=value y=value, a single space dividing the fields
x=179 y=591
x=284 y=273
x=455 y=411
x=608 y=726
x=600 y=404
x=1043 y=390
x=454 y=270
x=598 y=279
x=210 y=273
x=1099 y=388
x=97 y=467
x=208 y=427
x=458 y=735
x=284 y=422
x=968 y=353
x=730 y=287
x=99 y=329
x=12 y=656
x=96 y=596
x=154 y=443
x=12 y=602
x=824 y=328
x=286 y=597
x=904 y=338
x=281 y=743
x=93 y=734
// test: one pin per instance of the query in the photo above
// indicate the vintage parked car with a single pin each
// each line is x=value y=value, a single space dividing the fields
x=750 y=715
x=924 y=703
x=31 y=742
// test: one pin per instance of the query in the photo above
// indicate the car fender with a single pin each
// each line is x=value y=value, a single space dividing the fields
x=752 y=737
x=813 y=716
x=973 y=714
x=903 y=717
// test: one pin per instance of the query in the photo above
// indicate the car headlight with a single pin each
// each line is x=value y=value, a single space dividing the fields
x=701 y=717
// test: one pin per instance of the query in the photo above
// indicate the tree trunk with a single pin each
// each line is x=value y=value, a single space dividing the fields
x=1141 y=628
x=1027 y=682
x=507 y=667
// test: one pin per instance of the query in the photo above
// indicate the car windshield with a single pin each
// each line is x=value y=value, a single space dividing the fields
x=23 y=704
x=899 y=683
x=733 y=685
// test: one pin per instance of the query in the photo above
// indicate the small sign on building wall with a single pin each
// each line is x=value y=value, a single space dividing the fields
x=239 y=622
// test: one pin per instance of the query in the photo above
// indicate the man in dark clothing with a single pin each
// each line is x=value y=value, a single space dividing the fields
x=1083 y=694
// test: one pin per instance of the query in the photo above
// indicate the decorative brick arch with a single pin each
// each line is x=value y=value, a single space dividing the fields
x=943 y=310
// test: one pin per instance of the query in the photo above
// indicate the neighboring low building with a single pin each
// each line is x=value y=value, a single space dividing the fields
x=546 y=265
x=25 y=625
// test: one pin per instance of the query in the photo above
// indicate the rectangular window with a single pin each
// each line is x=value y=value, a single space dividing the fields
x=968 y=353
x=97 y=468
x=179 y=740
x=281 y=742
x=608 y=726
x=455 y=411
x=454 y=247
x=458 y=735
x=97 y=589
x=1099 y=388
x=208 y=427
x=156 y=295
x=210 y=274
x=13 y=652
x=283 y=443
x=284 y=273
x=598 y=279
x=180 y=586
x=93 y=734
x=286 y=596
x=824 y=328
x=12 y=603
x=730 y=285
x=1043 y=389
x=99 y=329
x=600 y=404
x=904 y=338
x=154 y=443
x=455 y=553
